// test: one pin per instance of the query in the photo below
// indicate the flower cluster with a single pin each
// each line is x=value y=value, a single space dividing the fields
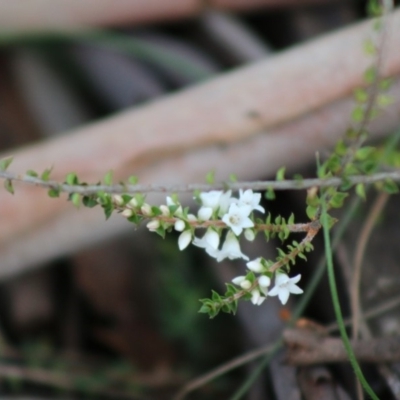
x=225 y=218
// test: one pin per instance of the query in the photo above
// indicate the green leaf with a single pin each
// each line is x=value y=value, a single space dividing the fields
x=5 y=163
x=357 y=114
x=89 y=201
x=54 y=192
x=360 y=191
x=108 y=178
x=337 y=200
x=71 y=179
x=32 y=173
x=8 y=185
x=280 y=174
x=361 y=95
x=133 y=180
x=76 y=199
x=311 y=211
x=390 y=186
x=46 y=174
x=384 y=100
x=364 y=152
x=210 y=177
x=370 y=75
x=233 y=178
x=270 y=194
x=369 y=47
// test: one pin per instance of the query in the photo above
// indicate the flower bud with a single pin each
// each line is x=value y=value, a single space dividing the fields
x=184 y=239
x=118 y=200
x=249 y=234
x=127 y=213
x=179 y=225
x=165 y=210
x=246 y=284
x=132 y=203
x=153 y=225
x=146 y=210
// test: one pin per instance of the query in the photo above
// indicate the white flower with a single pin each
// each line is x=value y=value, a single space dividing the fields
x=133 y=203
x=224 y=203
x=184 y=239
x=255 y=265
x=284 y=286
x=242 y=282
x=248 y=198
x=171 y=202
x=230 y=249
x=256 y=297
x=152 y=226
x=211 y=199
x=264 y=282
x=237 y=218
x=179 y=225
x=238 y=280
x=209 y=240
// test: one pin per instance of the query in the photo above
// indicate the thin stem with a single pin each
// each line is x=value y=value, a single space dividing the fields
x=336 y=304
x=87 y=190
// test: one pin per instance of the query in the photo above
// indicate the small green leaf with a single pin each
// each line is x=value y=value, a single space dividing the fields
x=233 y=178
x=270 y=194
x=384 y=100
x=370 y=75
x=89 y=201
x=32 y=173
x=133 y=180
x=311 y=211
x=54 y=192
x=360 y=191
x=357 y=114
x=46 y=174
x=71 y=179
x=337 y=200
x=364 y=152
x=76 y=199
x=108 y=177
x=5 y=163
x=8 y=185
x=210 y=177
x=280 y=175
x=369 y=47
x=390 y=187
x=361 y=95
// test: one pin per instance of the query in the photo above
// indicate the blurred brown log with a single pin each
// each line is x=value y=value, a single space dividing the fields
x=248 y=122
x=34 y=15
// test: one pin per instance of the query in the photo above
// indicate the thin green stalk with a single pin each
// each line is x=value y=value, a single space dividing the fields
x=336 y=305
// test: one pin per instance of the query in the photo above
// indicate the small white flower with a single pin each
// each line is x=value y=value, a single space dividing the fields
x=191 y=217
x=237 y=218
x=256 y=297
x=284 y=286
x=179 y=225
x=209 y=240
x=264 y=282
x=152 y=226
x=211 y=199
x=249 y=234
x=230 y=249
x=224 y=203
x=255 y=265
x=242 y=282
x=238 y=280
x=251 y=199
x=127 y=213
x=184 y=239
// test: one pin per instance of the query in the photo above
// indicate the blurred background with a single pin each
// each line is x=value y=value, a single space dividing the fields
x=95 y=309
